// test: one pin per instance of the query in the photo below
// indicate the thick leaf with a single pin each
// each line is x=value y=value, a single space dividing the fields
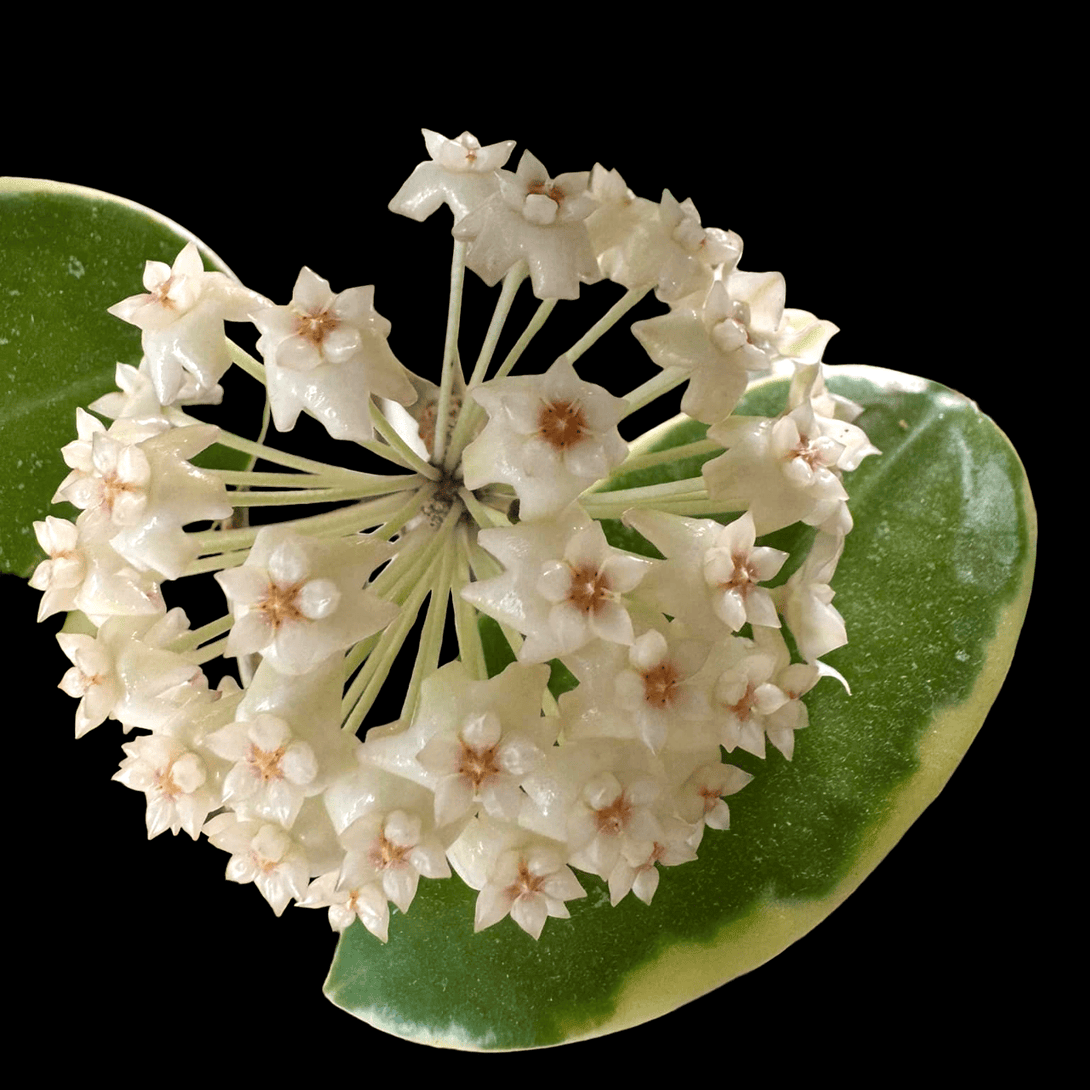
x=933 y=585
x=68 y=254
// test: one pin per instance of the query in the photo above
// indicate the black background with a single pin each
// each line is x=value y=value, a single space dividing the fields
x=891 y=226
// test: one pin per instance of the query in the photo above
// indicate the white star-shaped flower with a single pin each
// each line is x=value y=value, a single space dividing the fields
x=717 y=340
x=806 y=601
x=327 y=353
x=299 y=600
x=366 y=903
x=460 y=174
x=137 y=489
x=517 y=873
x=262 y=853
x=564 y=584
x=272 y=768
x=536 y=219
x=636 y=869
x=392 y=851
x=700 y=798
x=613 y=813
x=754 y=692
x=180 y=793
x=712 y=573
x=549 y=436
x=681 y=254
x=59 y=577
x=126 y=672
x=530 y=884
x=471 y=742
x=644 y=692
x=182 y=315
x=782 y=470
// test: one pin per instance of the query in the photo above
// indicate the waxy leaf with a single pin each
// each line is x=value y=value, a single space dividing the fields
x=933 y=586
x=68 y=254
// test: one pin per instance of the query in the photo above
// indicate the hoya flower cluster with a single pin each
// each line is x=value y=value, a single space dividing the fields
x=498 y=487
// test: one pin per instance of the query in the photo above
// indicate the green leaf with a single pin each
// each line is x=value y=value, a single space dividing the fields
x=933 y=585
x=68 y=254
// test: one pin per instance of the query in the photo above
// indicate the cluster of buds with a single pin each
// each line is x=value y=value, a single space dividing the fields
x=496 y=502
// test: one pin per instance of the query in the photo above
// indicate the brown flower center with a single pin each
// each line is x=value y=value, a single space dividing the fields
x=525 y=882
x=742 y=578
x=612 y=819
x=266 y=762
x=588 y=590
x=165 y=782
x=562 y=424
x=114 y=487
x=660 y=684
x=162 y=293
x=385 y=853
x=477 y=765
x=279 y=606
x=711 y=798
x=554 y=193
x=744 y=707
x=315 y=326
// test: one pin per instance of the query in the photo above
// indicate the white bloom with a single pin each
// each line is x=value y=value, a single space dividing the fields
x=781 y=470
x=537 y=219
x=549 y=436
x=111 y=587
x=656 y=689
x=802 y=337
x=478 y=766
x=92 y=679
x=613 y=813
x=179 y=790
x=744 y=694
x=327 y=353
x=733 y=568
x=460 y=174
x=806 y=601
x=264 y=854
x=475 y=740
x=136 y=399
x=393 y=851
x=516 y=872
x=137 y=489
x=299 y=600
x=636 y=871
x=620 y=229
x=832 y=416
x=754 y=691
x=680 y=254
x=530 y=884
x=366 y=903
x=272 y=768
x=171 y=291
x=643 y=692
x=564 y=585
x=182 y=315
x=111 y=473
x=311 y=704
x=471 y=742
x=125 y=672
x=712 y=574
x=711 y=336
x=700 y=799
x=59 y=577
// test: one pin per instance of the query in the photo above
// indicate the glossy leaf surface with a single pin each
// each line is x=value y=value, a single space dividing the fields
x=933 y=586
